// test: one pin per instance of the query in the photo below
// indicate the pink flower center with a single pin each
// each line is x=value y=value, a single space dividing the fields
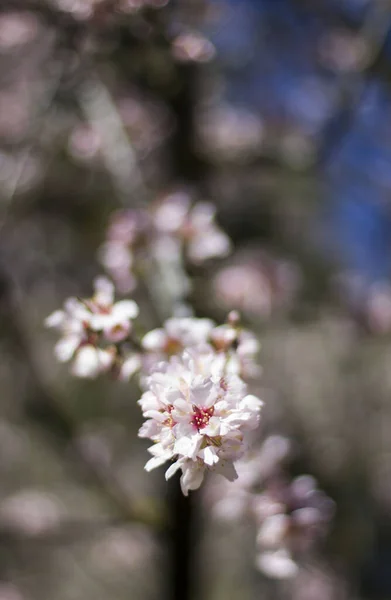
x=201 y=416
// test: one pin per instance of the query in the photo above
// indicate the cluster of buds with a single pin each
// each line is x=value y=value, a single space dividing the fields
x=290 y=516
x=173 y=225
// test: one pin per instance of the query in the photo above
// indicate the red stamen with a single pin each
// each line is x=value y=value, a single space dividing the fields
x=201 y=416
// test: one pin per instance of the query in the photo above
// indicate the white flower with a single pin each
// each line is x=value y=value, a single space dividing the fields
x=170 y=214
x=118 y=259
x=114 y=319
x=205 y=239
x=178 y=334
x=242 y=348
x=198 y=415
x=195 y=226
x=82 y=324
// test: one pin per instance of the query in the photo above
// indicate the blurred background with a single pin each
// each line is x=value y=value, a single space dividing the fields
x=278 y=112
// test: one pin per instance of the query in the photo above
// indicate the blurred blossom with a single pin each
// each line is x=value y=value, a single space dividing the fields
x=369 y=303
x=379 y=308
x=194 y=225
x=290 y=515
x=273 y=454
x=9 y=592
x=318 y=583
x=138 y=237
x=128 y=548
x=254 y=471
x=126 y=237
x=230 y=133
x=87 y=324
x=256 y=284
x=343 y=51
x=192 y=46
x=84 y=143
x=147 y=122
x=131 y=6
x=80 y=9
x=277 y=564
x=31 y=512
x=17 y=29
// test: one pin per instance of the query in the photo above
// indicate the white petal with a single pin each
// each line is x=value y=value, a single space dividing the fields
x=202 y=214
x=215 y=427
x=66 y=347
x=277 y=564
x=104 y=291
x=273 y=531
x=252 y=402
x=149 y=429
x=227 y=469
x=76 y=309
x=208 y=244
x=125 y=309
x=200 y=394
x=155 y=414
x=209 y=455
x=155 y=462
x=56 y=319
x=170 y=215
x=105 y=359
x=155 y=340
x=115 y=256
x=86 y=363
x=188 y=446
x=173 y=469
x=192 y=476
x=130 y=366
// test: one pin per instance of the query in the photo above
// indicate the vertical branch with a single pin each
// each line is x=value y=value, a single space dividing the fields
x=183 y=510
x=167 y=283
x=186 y=163
x=182 y=574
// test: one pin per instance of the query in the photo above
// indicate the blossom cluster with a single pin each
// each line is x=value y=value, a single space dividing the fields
x=93 y=332
x=172 y=225
x=290 y=515
x=197 y=408
x=198 y=415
